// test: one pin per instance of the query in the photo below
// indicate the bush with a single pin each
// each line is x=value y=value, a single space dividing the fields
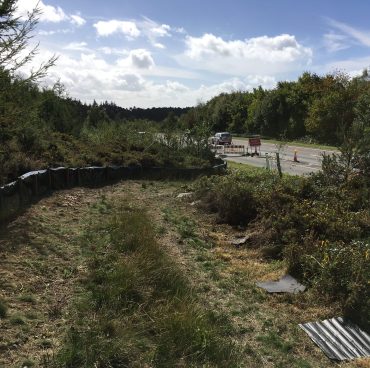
x=339 y=270
x=319 y=225
x=235 y=197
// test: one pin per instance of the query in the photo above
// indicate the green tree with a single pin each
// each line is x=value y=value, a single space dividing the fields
x=15 y=35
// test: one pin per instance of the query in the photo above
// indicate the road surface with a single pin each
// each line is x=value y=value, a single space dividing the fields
x=309 y=158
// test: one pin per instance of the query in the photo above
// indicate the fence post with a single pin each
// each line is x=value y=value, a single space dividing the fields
x=278 y=164
x=267 y=162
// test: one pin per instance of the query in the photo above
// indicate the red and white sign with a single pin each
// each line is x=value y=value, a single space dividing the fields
x=254 y=142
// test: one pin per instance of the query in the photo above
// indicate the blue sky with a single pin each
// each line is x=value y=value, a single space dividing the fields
x=180 y=53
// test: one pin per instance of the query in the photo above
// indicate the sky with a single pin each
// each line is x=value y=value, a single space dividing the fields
x=147 y=53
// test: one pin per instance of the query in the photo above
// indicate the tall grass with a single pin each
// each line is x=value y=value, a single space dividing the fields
x=139 y=308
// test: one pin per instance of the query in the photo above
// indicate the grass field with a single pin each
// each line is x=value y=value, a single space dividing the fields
x=64 y=262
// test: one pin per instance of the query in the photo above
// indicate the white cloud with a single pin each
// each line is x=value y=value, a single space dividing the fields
x=48 y=13
x=141 y=59
x=77 y=20
x=180 y=30
x=130 y=82
x=112 y=51
x=161 y=31
x=89 y=76
x=363 y=37
x=77 y=46
x=107 y=28
x=259 y=55
x=159 y=45
x=335 y=42
x=56 y=31
x=145 y=27
x=153 y=30
x=137 y=59
x=261 y=48
x=353 y=66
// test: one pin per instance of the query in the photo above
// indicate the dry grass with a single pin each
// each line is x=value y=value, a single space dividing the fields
x=41 y=265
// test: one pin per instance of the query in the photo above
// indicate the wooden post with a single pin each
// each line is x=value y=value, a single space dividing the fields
x=278 y=164
x=267 y=162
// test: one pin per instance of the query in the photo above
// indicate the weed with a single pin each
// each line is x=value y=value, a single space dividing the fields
x=273 y=340
x=46 y=344
x=31 y=315
x=3 y=309
x=27 y=364
x=302 y=364
x=68 y=272
x=28 y=299
x=17 y=320
x=55 y=311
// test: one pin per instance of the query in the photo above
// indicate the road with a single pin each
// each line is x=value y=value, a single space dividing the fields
x=309 y=158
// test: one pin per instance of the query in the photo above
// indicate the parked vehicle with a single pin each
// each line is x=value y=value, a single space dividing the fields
x=222 y=138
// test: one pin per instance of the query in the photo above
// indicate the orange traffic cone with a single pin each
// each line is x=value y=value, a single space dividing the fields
x=295 y=159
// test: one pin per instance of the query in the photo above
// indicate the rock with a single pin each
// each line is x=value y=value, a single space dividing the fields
x=194 y=203
x=240 y=241
x=185 y=195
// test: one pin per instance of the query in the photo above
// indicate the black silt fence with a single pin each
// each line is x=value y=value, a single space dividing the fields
x=35 y=184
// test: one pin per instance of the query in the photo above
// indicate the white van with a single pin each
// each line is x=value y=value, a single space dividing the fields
x=222 y=138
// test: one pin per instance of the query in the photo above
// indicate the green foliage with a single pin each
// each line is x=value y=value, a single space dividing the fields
x=139 y=308
x=17 y=320
x=319 y=224
x=323 y=107
x=46 y=128
x=338 y=269
x=235 y=196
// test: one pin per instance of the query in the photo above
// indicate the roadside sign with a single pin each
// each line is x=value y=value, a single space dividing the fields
x=254 y=142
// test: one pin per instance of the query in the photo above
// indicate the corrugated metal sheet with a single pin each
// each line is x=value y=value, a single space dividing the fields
x=339 y=339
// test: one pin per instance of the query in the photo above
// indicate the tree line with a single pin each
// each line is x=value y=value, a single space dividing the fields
x=42 y=127
x=316 y=108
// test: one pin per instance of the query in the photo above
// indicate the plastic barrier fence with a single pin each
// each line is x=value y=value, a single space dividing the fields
x=233 y=148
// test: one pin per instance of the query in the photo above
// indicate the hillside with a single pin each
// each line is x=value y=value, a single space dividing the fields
x=47 y=255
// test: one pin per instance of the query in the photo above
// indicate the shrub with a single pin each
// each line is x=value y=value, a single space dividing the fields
x=235 y=197
x=339 y=270
x=319 y=225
